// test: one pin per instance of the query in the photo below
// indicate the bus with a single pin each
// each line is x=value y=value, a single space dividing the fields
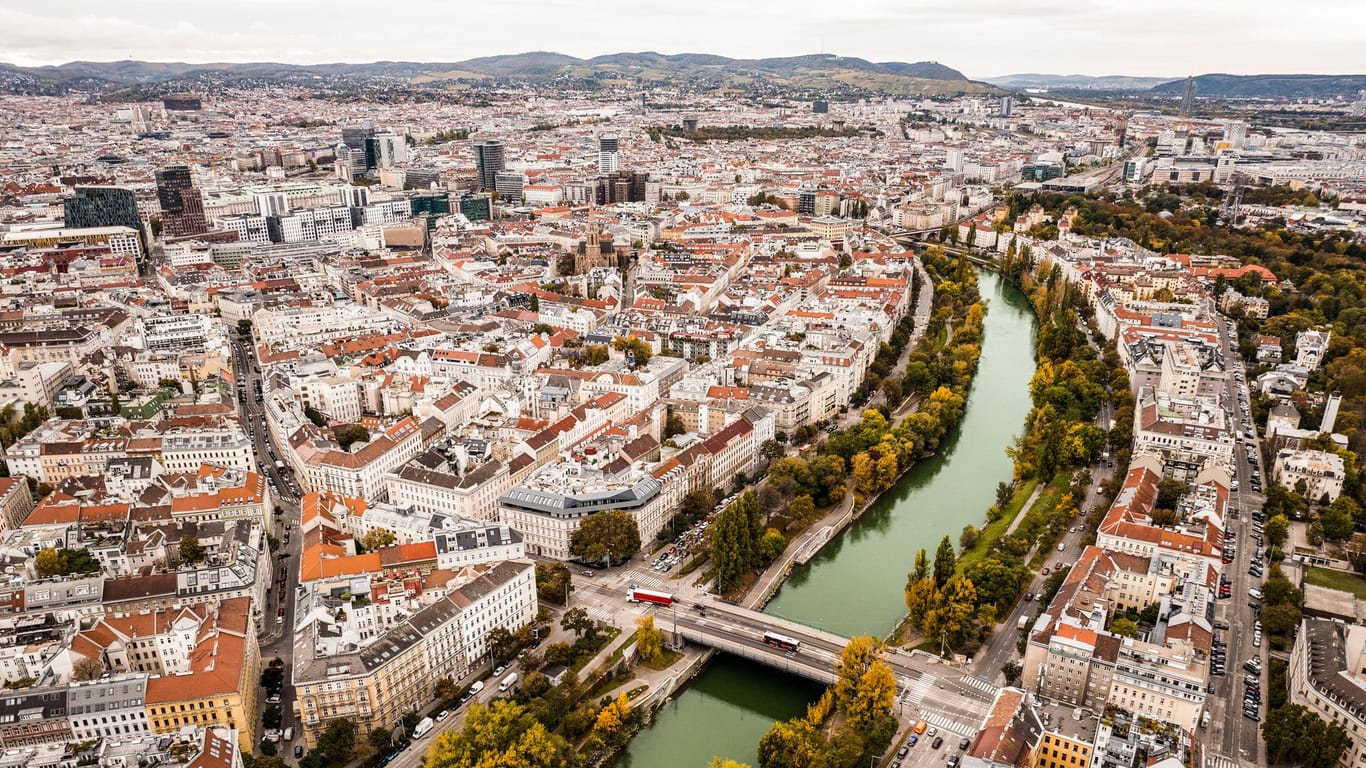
x=782 y=641
x=638 y=595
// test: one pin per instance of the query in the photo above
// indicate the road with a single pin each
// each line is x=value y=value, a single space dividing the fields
x=276 y=638
x=1232 y=734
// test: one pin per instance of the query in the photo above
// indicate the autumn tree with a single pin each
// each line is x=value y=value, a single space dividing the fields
x=922 y=596
x=501 y=735
x=649 y=639
x=865 y=687
x=553 y=582
x=190 y=550
x=50 y=562
x=1124 y=627
x=377 y=538
x=1277 y=530
x=87 y=668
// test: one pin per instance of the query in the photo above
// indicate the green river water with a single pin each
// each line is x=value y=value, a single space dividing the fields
x=854 y=586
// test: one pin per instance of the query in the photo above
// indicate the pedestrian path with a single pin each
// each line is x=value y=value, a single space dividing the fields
x=980 y=684
x=915 y=692
x=946 y=724
x=1219 y=761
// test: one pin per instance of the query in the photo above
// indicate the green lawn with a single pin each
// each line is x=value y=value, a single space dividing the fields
x=1340 y=580
x=997 y=528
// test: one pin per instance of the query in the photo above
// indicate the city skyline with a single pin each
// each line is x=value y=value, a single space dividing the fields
x=981 y=38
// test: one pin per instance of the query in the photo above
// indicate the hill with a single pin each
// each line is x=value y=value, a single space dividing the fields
x=815 y=73
x=1267 y=86
x=1077 y=82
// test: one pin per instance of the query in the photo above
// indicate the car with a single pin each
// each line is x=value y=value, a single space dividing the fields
x=938 y=742
x=498 y=672
x=933 y=731
x=964 y=744
x=445 y=713
x=298 y=751
x=912 y=740
x=905 y=748
x=586 y=573
x=1045 y=570
x=896 y=764
x=1029 y=597
x=953 y=761
x=274 y=698
x=1251 y=714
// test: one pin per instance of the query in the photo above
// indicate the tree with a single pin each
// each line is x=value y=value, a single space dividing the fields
x=922 y=596
x=771 y=449
x=865 y=687
x=596 y=354
x=87 y=668
x=336 y=743
x=1124 y=628
x=944 y=562
x=1338 y=520
x=922 y=566
x=1003 y=494
x=315 y=416
x=446 y=689
x=954 y=618
x=674 y=426
x=802 y=508
x=637 y=348
x=610 y=536
x=553 y=582
x=1296 y=734
x=50 y=562
x=352 y=434
x=968 y=537
x=501 y=735
x=613 y=721
x=771 y=546
x=377 y=538
x=578 y=621
x=1277 y=530
x=649 y=639
x=381 y=739
x=717 y=762
x=1280 y=619
x=734 y=541
x=271 y=717
x=997 y=583
x=502 y=644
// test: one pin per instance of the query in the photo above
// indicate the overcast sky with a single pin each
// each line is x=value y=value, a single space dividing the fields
x=981 y=38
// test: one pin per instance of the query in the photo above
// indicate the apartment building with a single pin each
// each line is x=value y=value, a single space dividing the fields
x=377 y=684
x=323 y=466
x=1320 y=472
x=1325 y=676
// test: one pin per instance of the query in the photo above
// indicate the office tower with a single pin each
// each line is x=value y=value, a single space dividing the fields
x=103 y=207
x=1235 y=133
x=508 y=185
x=390 y=150
x=488 y=156
x=820 y=107
x=182 y=206
x=609 y=153
x=1007 y=104
x=360 y=142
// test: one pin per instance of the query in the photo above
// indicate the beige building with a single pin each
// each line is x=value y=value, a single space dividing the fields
x=1325 y=676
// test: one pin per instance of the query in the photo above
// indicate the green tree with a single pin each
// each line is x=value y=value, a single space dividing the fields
x=945 y=561
x=997 y=583
x=1003 y=494
x=502 y=644
x=271 y=717
x=381 y=739
x=735 y=540
x=578 y=621
x=674 y=426
x=501 y=735
x=1280 y=619
x=1339 y=519
x=968 y=538
x=553 y=582
x=1124 y=627
x=802 y=508
x=606 y=536
x=596 y=354
x=315 y=416
x=352 y=434
x=771 y=546
x=1277 y=530
x=336 y=743
x=636 y=347
x=1296 y=734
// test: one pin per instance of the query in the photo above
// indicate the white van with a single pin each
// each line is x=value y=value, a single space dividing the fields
x=477 y=687
x=1061 y=546
x=1255 y=593
x=289 y=733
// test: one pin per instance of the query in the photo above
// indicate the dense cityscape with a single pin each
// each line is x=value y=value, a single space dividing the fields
x=585 y=421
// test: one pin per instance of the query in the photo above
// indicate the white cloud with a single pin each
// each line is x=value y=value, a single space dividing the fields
x=978 y=37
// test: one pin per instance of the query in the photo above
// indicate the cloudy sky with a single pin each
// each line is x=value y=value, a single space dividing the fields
x=981 y=38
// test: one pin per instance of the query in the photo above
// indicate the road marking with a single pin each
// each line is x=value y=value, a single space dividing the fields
x=980 y=684
x=945 y=723
x=916 y=690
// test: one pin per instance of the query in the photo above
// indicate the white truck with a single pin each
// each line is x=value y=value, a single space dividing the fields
x=422 y=728
x=508 y=682
x=477 y=687
x=1023 y=623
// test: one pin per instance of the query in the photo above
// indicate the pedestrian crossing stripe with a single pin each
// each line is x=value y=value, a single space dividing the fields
x=981 y=685
x=1219 y=761
x=944 y=723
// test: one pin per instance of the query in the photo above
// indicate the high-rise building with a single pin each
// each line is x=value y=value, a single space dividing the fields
x=103 y=207
x=820 y=107
x=390 y=150
x=609 y=153
x=508 y=185
x=488 y=157
x=363 y=147
x=1235 y=133
x=1007 y=104
x=182 y=206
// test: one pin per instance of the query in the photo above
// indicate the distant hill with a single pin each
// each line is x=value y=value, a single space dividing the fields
x=1077 y=82
x=1267 y=86
x=814 y=72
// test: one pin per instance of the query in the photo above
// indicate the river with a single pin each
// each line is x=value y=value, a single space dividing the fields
x=854 y=586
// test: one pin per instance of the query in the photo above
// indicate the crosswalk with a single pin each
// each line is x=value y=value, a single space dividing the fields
x=981 y=684
x=1219 y=761
x=917 y=688
x=946 y=724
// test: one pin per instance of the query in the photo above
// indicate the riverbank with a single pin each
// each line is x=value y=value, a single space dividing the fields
x=852 y=582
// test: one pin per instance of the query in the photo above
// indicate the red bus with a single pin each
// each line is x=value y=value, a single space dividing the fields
x=637 y=595
x=782 y=641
